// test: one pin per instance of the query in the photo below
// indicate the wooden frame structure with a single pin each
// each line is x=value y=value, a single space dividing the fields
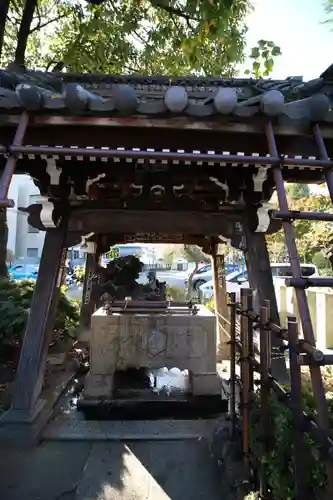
x=300 y=353
x=196 y=158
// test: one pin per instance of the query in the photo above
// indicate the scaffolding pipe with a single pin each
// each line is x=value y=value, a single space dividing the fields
x=11 y=160
x=324 y=156
x=166 y=155
x=295 y=215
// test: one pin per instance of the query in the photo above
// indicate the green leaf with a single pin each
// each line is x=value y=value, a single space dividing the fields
x=262 y=43
x=255 y=52
x=276 y=51
x=269 y=64
x=144 y=36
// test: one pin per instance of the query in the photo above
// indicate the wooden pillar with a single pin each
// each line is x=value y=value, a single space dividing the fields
x=87 y=306
x=220 y=299
x=261 y=282
x=31 y=368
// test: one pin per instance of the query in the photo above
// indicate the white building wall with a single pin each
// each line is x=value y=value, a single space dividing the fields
x=24 y=241
x=12 y=214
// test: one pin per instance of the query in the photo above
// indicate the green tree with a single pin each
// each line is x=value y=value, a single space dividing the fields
x=134 y=36
x=168 y=257
x=30 y=29
x=193 y=253
x=128 y=36
x=311 y=236
x=329 y=10
x=297 y=191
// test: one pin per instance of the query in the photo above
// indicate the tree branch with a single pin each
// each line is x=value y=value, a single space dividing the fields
x=24 y=31
x=172 y=10
x=4 y=8
x=43 y=25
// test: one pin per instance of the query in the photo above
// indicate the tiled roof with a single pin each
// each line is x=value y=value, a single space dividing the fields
x=200 y=98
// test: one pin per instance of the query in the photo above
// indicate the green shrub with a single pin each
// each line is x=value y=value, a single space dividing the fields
x=15 y=300
x=176 y=293
x=210 y=304
x=279 y=461
x=79 y=274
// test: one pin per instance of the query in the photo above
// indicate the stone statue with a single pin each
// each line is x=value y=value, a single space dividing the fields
x=118 y=281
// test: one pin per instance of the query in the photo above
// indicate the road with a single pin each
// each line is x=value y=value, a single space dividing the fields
x=172 y=278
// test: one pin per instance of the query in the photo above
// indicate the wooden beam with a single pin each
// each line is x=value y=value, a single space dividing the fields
x=30 y=372
x=87 y=305
x=146 y=221
x=261 y=282
x=223 y=135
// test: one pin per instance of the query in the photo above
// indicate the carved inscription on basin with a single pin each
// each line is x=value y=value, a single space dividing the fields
x=134 y=340
x=121 y=341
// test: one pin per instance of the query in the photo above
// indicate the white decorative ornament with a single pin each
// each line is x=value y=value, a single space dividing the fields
x=46 y=214
x=176 y=99
x=272 y=103
x=264 y=219
x=84 y=239
x=90 y=182
x=53 y=171
x=220 y=184
x=225 y=100
x=91 y=247
x=259 y=178
x=178 y=191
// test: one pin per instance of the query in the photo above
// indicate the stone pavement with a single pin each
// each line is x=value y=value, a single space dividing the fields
x=113 y=470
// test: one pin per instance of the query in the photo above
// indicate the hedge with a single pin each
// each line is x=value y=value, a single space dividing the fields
x=15 y=300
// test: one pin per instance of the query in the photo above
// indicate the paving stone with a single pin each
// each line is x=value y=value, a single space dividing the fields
x=154 y=470
x=50 y=471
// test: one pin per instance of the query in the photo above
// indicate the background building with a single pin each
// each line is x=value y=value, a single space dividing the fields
x=24 y=241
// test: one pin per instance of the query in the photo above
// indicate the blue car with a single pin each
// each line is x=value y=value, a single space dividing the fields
x=23 y=272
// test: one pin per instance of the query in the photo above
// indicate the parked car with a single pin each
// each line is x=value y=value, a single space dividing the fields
x=234 y=282
x=239 y=279
x=23 y=271
x=205 y=274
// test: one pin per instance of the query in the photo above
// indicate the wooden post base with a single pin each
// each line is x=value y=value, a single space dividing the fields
x=31 y=368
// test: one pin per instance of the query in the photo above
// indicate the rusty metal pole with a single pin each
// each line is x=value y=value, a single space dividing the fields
x=296 y=407
x=246 y=379
x=232 y=305
x=267 y=305
x=328 y=172
x=11 y=161
x=265 y=363
x=250 y=340
x=303 y=307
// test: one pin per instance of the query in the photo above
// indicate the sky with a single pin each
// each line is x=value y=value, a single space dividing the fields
x=297 y=27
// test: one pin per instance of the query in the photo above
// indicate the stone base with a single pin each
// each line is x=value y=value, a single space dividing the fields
x=71 y=429
x=205 y=384
x=23 y=426
x=98 y=386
